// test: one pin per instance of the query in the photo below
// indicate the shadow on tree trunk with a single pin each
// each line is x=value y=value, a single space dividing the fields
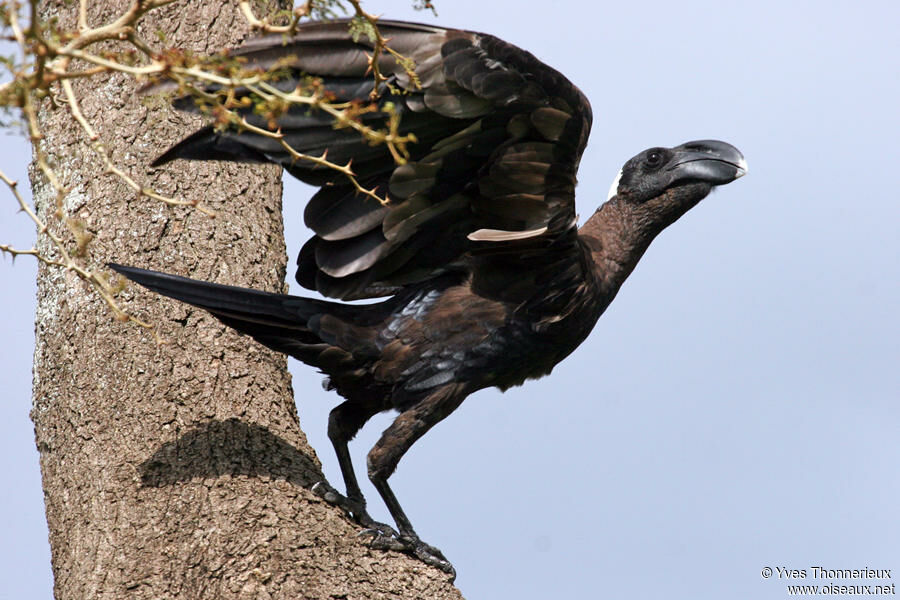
x=229 y=447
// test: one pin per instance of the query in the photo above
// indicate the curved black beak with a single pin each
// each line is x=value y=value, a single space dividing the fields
x=710 y=161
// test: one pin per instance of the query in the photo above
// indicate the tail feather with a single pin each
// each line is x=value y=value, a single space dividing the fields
x=278 y=321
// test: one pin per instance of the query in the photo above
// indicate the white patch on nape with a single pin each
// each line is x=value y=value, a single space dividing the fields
x=614 y=188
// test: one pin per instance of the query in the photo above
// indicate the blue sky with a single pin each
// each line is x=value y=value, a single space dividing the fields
x=737 y=405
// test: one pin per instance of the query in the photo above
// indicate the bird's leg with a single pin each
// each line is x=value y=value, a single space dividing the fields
x=408 y=427
x=344 y=422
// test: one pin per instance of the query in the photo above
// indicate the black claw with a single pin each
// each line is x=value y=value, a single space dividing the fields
x=378 y=530
x=383 y=536
x=327 y=493
x=389 y=540
x=430 y=555
x=354 y=508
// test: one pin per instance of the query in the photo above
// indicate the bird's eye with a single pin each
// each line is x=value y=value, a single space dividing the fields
x=654 y=158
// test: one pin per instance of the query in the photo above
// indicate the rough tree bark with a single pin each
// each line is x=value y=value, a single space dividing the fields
x=179 y=470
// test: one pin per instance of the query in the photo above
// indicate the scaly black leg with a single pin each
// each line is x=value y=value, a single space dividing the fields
x=344 y=422
x=408 y=427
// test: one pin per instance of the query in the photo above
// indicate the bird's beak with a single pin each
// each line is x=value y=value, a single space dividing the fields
x=711 y=161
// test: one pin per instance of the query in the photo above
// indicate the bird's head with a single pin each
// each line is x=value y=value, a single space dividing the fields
x=661 y=184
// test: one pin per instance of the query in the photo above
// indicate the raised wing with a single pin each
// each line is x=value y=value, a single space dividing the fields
x=499 y=137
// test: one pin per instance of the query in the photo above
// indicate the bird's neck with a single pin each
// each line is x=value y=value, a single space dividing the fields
x=616 y=236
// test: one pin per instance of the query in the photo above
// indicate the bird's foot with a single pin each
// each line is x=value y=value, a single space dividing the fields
x=383 y=536
x=323 y=490
x=355 y=509
x=428 y=554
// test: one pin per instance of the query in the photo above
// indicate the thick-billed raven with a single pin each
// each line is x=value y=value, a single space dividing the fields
x=488 y=279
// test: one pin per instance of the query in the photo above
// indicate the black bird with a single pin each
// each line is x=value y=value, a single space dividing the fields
x=488 y=279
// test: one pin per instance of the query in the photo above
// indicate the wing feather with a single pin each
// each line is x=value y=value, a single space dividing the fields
x=339 y=213
x=499 y=137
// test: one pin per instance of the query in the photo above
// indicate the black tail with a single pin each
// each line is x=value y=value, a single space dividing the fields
x=279 y=321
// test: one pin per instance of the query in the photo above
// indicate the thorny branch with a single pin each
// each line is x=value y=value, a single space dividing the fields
x=51 y=58
x=67 y=259
x=366 y=24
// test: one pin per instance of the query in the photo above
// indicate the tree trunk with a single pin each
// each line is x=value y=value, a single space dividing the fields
x=179 y=470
